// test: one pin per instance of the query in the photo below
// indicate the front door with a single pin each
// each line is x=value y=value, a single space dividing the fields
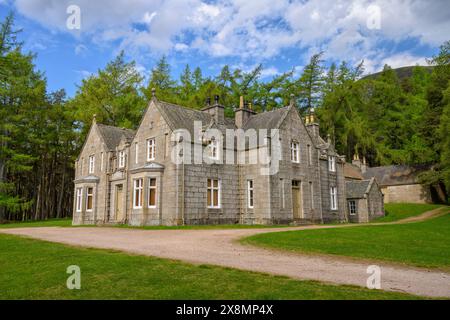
x=297 y=201
x=119 y=203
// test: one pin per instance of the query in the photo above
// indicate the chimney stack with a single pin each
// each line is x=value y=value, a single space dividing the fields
x=311 y=124
x=216 y=110
x=242 y=114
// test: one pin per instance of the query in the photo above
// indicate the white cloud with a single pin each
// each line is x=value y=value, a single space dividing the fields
x=404 y=60
x=80 y=49
x=181 y=47
x=269 y=72
x=83 y=74
x=148 y=17
x=247 y=29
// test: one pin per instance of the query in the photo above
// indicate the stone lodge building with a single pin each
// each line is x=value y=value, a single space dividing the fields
x=127 y=177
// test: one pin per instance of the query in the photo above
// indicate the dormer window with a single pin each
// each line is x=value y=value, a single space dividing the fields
x=214 y=149
x=151 y=149
x=91 y=164
x=295 y=152
x=332 y=164
x=121 y=159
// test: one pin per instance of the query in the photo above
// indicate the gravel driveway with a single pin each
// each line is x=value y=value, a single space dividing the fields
x=219 y=247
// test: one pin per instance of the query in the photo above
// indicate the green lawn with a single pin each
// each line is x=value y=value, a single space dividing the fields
x=424 y=244
x=68 y=223
x=398 y=211
x=204 y=227
x=46 y=223
x=32 y=269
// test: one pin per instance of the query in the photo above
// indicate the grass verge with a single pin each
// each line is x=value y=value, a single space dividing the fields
x=422 y=244
x=399 y=211
x=33 y=269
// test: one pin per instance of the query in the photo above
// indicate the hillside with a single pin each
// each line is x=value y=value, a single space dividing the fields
x=402 y=73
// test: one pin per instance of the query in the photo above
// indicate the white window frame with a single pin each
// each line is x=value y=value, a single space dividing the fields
x=213 y=189
x=352 y=207
x=332 y=163
x=214 y=149
x=333 y=198
x=138 y=188
x=91 y=164
x=122 y=159
x=87 y=199
x=79 y=201
x=151 y=149
x=150 y=187
x=295 y=152
x=250 y=194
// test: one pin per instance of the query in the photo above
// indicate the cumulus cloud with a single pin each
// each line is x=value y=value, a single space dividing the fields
x=251 y=29
x=403 y=60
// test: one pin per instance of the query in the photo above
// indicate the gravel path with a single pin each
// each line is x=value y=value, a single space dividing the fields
x=219 y=247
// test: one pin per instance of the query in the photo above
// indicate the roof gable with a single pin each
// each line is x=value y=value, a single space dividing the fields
x=267 y=120
x=357 y=189
x=112 y=136
x=396 y=175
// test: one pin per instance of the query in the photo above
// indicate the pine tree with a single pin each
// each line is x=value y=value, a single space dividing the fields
x=161 y=81
x=310 y=84
x=112 y=94
x=22 y=93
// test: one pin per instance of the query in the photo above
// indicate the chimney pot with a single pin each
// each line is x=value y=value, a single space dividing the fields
x=208 y=101
x=241 y=102
x=292 y=101
x=216 y=99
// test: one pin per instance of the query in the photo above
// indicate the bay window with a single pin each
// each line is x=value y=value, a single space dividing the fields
x=79 y=199
x=89 y=199
x=152 y=193
x=137 y=193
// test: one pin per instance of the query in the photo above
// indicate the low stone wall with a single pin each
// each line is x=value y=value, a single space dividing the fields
x=411 y=193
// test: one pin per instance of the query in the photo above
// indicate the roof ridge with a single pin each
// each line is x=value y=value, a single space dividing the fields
x=114 y=127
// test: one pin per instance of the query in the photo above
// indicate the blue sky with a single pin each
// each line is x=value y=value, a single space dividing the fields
x=281 y=35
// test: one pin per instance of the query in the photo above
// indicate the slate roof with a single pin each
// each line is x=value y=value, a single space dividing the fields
x=357 y=189
x=352 y=172
x=181 y=117
x=396 y=175
x=112 y=135
x=267 y=120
